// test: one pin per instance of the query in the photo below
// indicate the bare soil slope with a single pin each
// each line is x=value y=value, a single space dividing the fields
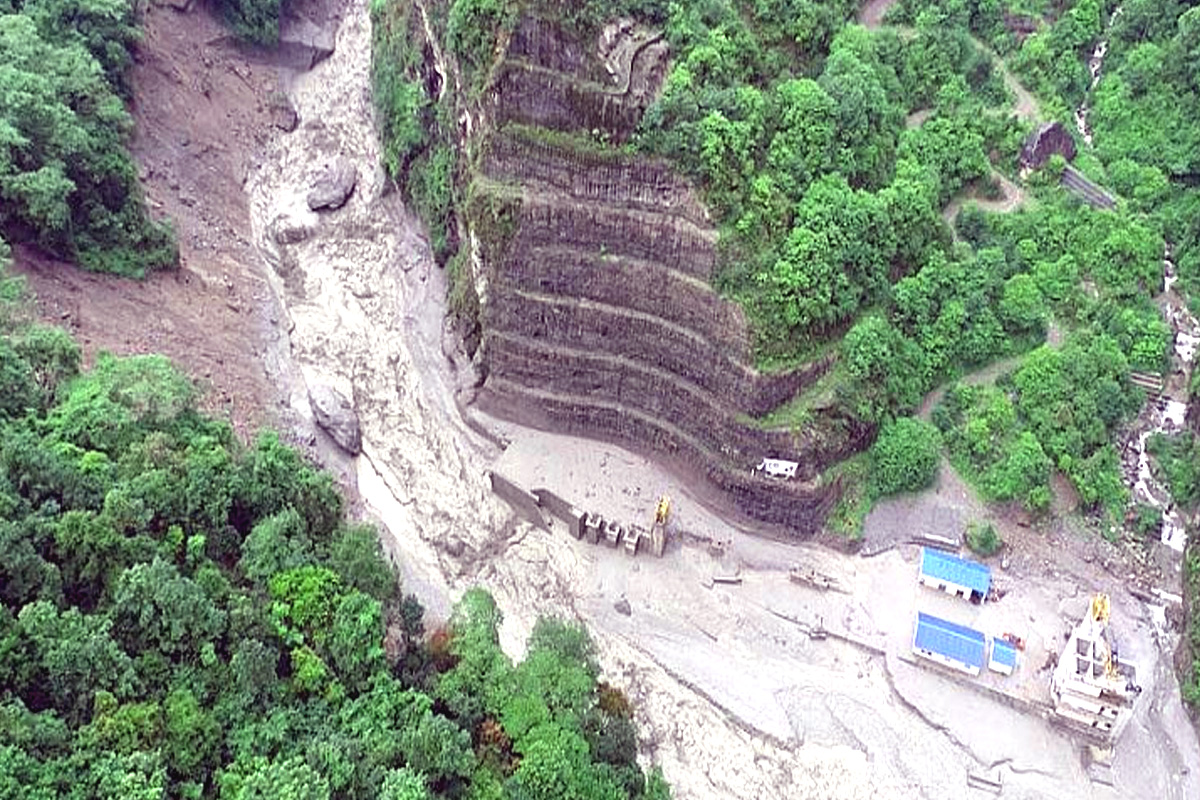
x=201 y=112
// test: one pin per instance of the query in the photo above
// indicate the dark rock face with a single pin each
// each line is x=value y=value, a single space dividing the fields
x=334 y=187
x=336 y=416
x=1047 y=139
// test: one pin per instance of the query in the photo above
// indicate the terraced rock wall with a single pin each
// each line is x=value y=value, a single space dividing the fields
x=599 y=319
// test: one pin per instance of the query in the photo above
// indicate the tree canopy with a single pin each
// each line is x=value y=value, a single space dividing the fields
x=67 y=181
x=182 y=615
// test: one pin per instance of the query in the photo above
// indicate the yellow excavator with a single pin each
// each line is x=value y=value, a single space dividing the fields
x=1100 y=610
x=658 y=531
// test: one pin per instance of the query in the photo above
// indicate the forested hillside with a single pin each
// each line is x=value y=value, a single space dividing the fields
x=185 y=616
x=828 y=152
x=67 y=181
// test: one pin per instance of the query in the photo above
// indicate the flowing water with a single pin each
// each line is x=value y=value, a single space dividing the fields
x=1165 y=414
x=1095 y=66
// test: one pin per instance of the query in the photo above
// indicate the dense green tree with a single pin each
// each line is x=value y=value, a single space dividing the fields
x=65 y=175
x=905 y=457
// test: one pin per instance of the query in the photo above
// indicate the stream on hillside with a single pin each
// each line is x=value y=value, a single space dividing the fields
x=1164 y=414
x=1095 y=66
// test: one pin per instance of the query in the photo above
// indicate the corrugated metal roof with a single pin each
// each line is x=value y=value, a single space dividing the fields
x=1004 y=653
x=957 y=642
x=952 y=569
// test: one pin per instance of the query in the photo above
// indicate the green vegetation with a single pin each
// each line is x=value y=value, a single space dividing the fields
x=1177 y=458
x=420 y=150
x=67 y=181
x=905 y=457
x=254 y=20
x=1190 y=683
x=184 y=616
x=854 y=477
x=1057 y=410
x=983 y=539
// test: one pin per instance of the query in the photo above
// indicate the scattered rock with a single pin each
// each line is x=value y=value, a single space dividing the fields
x=336 y=415
x=622 y=607
x=454 y=547
x=285 y=230
x=283 y=114
x=335 y=186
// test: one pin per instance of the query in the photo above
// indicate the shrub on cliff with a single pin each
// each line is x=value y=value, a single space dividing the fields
x=254 y=20
x=905 y=456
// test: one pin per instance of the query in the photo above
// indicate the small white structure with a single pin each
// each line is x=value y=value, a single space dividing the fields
x=1003 y=658
x=777 y=468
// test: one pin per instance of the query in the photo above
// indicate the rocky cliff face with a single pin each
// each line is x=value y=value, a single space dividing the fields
x=597 y=313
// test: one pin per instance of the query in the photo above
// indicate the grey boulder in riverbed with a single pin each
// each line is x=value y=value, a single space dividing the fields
x=336 y=415
x=335 y=185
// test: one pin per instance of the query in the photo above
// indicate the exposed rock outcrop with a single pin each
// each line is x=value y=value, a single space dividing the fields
x=336 y=415
x=600 y=321
x=1048 y=139
x=334 y=187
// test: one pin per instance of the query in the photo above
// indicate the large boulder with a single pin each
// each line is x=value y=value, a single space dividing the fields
x=334 y=186
x=303 y=43
x=336 y=416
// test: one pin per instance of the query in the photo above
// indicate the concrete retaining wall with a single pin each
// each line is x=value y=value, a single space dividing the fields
x=560 y=508
x=523 y=502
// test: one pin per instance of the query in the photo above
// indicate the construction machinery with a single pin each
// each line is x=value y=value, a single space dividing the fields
x=658 y=531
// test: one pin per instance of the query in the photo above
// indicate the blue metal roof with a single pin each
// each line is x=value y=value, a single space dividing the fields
x=1004 y=653
x=952 y=569
x=957 y=642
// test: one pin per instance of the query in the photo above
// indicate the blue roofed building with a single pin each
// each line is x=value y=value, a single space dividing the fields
x=1004 y=657
x=949 y=644
x=957 y=576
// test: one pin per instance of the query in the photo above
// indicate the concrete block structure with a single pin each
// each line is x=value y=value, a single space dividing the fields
x=593 y=526
x=559 y=508
x=949 y=644
x=613 y=534
x=1093 y=690
x=957 y=576
x=521 y=501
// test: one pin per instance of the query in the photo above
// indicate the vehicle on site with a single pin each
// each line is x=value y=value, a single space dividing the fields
x=777 y=468
x=658 y=531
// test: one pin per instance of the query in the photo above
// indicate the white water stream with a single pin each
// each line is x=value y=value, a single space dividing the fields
x=1095 y=65
x=1165 y=415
